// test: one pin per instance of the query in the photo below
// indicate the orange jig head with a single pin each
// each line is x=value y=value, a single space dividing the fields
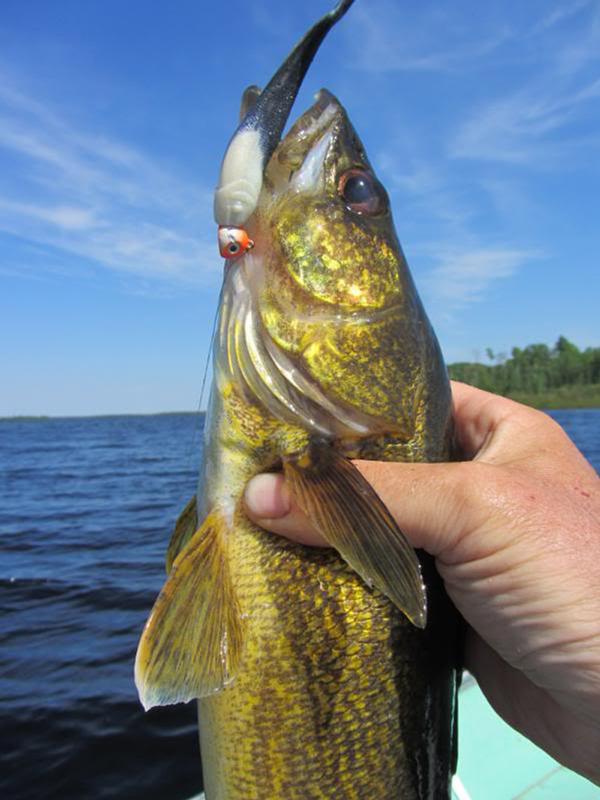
x=233 y=242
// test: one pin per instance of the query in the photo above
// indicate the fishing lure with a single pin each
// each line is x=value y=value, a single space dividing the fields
x=233 y=242
x=259 y=132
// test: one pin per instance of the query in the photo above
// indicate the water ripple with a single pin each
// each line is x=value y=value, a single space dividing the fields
x=87 y=511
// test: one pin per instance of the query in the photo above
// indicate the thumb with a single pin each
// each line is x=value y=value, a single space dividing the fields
x=432 y=503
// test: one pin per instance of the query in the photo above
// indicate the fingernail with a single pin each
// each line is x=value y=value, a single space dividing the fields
x=267 y=497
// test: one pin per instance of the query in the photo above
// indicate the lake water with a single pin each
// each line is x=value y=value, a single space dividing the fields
x=86 y=508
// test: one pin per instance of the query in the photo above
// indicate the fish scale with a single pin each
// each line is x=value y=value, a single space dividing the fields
x=320 y=673
x=315 y=695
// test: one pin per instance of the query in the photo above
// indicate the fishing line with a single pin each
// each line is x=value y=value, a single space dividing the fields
x=207 y=363
x=212 y=342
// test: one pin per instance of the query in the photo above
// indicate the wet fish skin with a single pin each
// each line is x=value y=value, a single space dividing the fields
x=320 y=687
x=337 y=695
x=378 y=353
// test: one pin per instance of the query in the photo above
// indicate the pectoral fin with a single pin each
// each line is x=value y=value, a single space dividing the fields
x=192 y=641
x=346 y=510
x=185 y=527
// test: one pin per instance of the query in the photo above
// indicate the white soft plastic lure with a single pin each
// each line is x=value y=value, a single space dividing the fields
x=258 y=134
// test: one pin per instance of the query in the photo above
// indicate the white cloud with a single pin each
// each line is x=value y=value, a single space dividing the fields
x=544 y=119
x=463 y=268
x=98 y=198
x=380 y=48
x=559 y=14
x=427 y=190
x=463 y=276
x=68 y=218
x=579 y=51
x=523 y=127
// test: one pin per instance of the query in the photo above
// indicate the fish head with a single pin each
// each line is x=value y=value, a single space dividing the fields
x=323 y=310
x=323 y=224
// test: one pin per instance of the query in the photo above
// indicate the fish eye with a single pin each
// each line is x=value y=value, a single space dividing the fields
x=362 y=192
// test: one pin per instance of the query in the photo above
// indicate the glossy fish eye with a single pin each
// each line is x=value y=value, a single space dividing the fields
x=362 y=192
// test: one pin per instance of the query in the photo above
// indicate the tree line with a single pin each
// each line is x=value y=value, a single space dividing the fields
x=536 y=368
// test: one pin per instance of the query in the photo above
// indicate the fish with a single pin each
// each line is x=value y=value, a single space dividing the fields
x=319 y=672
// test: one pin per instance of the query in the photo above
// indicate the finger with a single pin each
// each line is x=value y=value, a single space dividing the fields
x=476 y=415
x=437 y=505
x=269 y=504
x=427 y=501
x=497 y=430
x=485 y=422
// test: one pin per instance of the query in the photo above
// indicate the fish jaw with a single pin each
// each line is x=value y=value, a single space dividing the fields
x=338 y=257
x=331 y=301
x=308 y=240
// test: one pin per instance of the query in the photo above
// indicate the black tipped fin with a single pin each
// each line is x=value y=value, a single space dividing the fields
x=192 y=642
x=344 y=507
x=185 y=527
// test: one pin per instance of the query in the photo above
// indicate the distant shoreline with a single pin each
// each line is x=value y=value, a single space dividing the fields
x=561 y=399
x=48 y=417
x=564 y=397
x=558 y=377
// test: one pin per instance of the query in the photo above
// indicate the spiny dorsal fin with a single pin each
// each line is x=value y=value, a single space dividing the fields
x=185 y=527
x=346 y=510
x=192 y=642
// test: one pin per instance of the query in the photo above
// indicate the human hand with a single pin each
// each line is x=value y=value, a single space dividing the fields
x=516 y=536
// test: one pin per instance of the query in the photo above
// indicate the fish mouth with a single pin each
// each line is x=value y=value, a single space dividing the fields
x=307 y=144
x=315 y=120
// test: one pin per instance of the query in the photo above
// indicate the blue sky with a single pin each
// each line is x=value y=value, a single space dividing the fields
x=482 y=120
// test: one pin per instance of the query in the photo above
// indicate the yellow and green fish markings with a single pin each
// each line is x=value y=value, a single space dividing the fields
x=319 y=673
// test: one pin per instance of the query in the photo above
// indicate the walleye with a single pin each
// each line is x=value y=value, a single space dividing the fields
x=320 y=673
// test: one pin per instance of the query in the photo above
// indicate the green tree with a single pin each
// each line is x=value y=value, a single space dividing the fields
x=569 y=363
x=533 y=369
